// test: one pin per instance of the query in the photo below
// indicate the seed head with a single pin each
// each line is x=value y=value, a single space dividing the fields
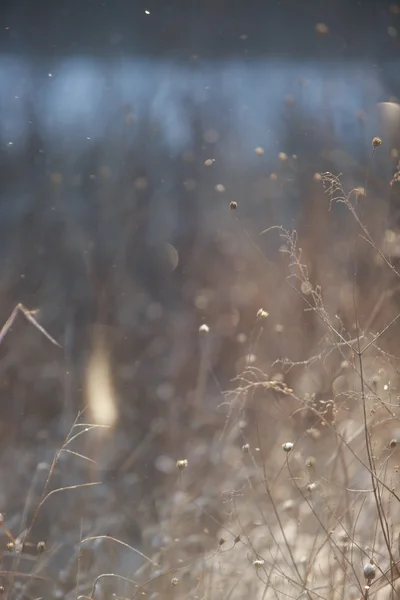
x=233 y=205
x=376 y=142
x=222 y=541
x=262 y=314
x=204 y=329
x=369 y=571
x=10 y=546
x=181 y=464
x=259 y=151
x=287 y=447
x=237 y=539
x=174 y=581
x=393 y=443
x=246 y=448
x=359 y=193
x=41 y=546
x=258 y=563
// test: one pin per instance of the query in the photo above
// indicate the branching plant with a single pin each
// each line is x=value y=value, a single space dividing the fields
x=287 y=485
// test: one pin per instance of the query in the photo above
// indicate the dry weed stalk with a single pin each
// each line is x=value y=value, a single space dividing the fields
x=352 y=349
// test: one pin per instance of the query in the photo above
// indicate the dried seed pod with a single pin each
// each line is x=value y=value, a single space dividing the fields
x=258 y=563
x=287 y=446
x=262 y=314
x=204 y=329
x=369 y=571
x=181 y=464
x=376 y=142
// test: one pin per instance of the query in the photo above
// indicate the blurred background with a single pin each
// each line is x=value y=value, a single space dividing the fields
x=126 y=130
